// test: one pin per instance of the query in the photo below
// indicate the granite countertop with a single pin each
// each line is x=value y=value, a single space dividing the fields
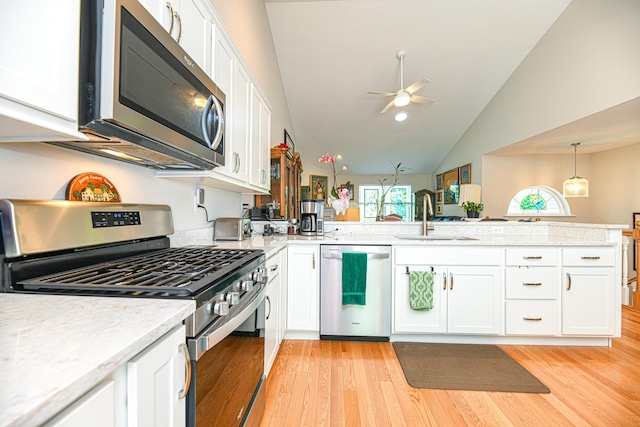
x=53 y=349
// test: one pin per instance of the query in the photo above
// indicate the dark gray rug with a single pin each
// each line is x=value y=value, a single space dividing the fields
x=478 y=367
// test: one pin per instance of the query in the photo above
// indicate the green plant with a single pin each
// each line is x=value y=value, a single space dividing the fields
x=472 y=207
x=398 y=169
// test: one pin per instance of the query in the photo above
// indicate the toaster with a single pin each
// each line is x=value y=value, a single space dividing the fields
x=232 y=229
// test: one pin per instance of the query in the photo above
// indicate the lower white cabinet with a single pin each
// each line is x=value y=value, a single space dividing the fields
x=589 y=291
x=467 y=300
x=97 y=408
x=272 y=335
x=303 y=288
x=157 y=383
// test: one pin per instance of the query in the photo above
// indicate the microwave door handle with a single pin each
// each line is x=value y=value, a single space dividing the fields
x=220 y=131
x=205 y=113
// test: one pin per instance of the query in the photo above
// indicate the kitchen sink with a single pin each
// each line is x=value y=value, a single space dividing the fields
x=434 y=237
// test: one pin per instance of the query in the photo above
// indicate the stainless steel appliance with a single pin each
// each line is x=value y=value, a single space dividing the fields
x=308 y=218
x=370 y=322
x=109 y=249
x=143 y=100
x=320 y=217
x=232 y=229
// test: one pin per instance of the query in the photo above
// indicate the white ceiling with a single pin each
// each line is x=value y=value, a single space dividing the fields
x=331 y=52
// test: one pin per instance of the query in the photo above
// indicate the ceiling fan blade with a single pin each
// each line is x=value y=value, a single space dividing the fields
x=375 y=92
x=387 y=108
x=421 y=100
x=417 y=86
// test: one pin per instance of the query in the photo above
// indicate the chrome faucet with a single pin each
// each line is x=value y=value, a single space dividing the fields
x=425 y=224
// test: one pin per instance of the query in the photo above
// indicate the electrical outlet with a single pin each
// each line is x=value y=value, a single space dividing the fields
x=198 y=198
x=338 y=229
x=497 y=230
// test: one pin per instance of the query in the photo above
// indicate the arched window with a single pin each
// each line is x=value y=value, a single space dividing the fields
x=538 y=200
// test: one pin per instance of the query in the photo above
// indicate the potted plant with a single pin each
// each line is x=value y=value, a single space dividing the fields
x=472 y=209
x=381 y=201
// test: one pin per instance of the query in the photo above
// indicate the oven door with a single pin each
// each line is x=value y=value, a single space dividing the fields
x=226 y=389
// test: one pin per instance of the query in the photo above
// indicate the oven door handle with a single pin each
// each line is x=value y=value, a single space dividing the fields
x=213 y=335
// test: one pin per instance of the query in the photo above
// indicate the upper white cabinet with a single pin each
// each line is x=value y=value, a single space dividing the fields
x=188 y=23
x=39 y=75
x=260 y=141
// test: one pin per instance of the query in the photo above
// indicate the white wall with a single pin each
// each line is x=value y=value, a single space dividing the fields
x=587 y=62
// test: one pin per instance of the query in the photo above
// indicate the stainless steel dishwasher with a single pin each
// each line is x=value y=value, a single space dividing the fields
x=369 y=322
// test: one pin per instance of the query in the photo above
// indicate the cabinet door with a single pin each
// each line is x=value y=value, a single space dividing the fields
x=303 y=288
x=241 y=111
x=282 y=302
x=191 y=28
x=156 y=383
x=271 y=332
x=39 y=70
x=588 y=301
x=419 y=321
x=260 y=140
x=475 y=300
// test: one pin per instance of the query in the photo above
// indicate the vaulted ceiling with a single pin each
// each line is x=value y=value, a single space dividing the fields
x=332 y=52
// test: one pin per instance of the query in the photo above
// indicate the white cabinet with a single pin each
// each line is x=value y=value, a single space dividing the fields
x=589 y=291
x=467 y=292
x=303 y=288
x=272 y=336
x=532 y=291
x=260 y=140
x=188 y=23
x=157 y=383
x=282 y=302
x=97 y=408
x=39 y=74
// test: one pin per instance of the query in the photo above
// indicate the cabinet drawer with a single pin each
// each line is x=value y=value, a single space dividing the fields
x=532 y=283
x=412 y=255
x=532 y=317
x=533 y=256
x=588 y=257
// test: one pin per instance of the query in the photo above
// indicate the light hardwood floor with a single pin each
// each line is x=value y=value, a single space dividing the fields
x=338 y=383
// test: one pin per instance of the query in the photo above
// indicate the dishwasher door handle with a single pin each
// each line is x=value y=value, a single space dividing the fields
x=369 y=256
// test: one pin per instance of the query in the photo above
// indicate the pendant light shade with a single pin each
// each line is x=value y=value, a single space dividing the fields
x=576 y=186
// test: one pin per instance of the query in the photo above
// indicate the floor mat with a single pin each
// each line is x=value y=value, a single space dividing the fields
x=478 y=367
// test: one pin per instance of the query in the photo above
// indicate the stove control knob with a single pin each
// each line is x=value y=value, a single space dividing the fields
x=259 y=275
x=220 y=308
x=232 y=298
x=246 y=285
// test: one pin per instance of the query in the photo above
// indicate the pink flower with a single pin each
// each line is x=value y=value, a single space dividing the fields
x=330 y=160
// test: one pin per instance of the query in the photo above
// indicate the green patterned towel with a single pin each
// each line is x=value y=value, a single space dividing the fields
x=354 y=278
x=421 y=290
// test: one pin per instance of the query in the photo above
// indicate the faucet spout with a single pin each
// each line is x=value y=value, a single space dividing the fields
x=425 y=225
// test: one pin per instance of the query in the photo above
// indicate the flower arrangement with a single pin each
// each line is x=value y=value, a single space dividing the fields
x=330 y=160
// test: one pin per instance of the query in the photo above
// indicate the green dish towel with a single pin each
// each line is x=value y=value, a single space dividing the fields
x=354 y=278
x=421 y=290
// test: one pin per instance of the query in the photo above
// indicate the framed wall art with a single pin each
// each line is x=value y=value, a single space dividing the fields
x=439 y=182
x=440 y=196
x=289 y=141
x=304 y=193
x=465 y=174
x=451 y=186
x=318 y=187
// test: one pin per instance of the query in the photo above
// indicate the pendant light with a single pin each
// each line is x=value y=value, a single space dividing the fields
x=576 y=186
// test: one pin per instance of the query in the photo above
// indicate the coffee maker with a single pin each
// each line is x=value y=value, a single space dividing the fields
x=308 y=218
x=311 y=217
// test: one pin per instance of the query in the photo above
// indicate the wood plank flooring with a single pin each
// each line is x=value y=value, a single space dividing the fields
x=339 y=383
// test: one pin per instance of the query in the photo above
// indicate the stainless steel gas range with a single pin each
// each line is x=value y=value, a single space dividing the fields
x=122 y=250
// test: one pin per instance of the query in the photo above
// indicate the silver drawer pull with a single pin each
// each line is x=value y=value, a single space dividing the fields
x=533 y=319
x=369 y=256
x=531 y=257
x=532 y=284
x=590 y=257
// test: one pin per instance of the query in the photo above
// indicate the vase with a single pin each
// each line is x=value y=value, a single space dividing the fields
x=473 y=214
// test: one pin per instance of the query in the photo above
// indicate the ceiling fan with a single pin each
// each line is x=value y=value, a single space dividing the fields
x=405 y=95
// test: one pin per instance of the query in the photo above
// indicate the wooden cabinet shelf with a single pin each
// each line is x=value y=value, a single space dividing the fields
x=285 y=172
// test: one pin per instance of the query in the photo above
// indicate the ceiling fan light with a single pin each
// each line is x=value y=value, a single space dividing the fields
x=401 y=116
x=402 y=99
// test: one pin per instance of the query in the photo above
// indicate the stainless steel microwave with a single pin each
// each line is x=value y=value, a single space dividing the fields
x=142 y=99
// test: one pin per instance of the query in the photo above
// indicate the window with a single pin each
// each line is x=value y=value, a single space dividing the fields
x=397 y=201
x=538 y=200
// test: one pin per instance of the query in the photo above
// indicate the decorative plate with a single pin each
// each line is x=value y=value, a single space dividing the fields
x=92 y=187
